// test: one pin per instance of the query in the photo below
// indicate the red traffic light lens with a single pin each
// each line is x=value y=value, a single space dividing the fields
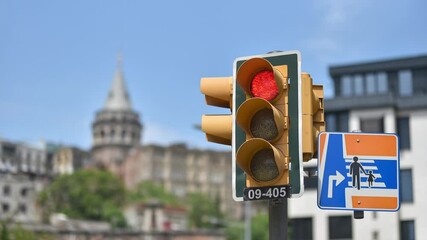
x=264 y=86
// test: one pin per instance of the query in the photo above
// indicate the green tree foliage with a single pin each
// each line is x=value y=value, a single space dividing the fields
x=259 y=228
x=148 y=191
x=4 y=233
x=204 y=212
x=19 y=233
x=87 y=194
x=235 y=230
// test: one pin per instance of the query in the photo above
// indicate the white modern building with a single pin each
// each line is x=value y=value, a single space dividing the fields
x=382 y=96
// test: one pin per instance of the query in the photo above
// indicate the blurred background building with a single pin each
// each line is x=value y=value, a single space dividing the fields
x=24 y=171
x=382 y=96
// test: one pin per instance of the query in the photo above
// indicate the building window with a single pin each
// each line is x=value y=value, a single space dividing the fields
x=5 y=207
x=371 y=86
x=310 y=181
x=6 y=190
x=301 y=228
x=372 y=125
x=22 y=208
x=419 y=77
x=346 y=86
x=123 y=135
x=406 y=194
x=340 y=227
x=382 y=82
x=24 y=192
x=407 y=230
x=359 y=86
x=375 y=235
x=331 y=119
x=405 y=83
x=403 y=131
x=337 y=122
x=376 y=83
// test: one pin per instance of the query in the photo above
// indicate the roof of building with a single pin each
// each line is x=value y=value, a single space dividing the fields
x=118 y=97
x=381 y=65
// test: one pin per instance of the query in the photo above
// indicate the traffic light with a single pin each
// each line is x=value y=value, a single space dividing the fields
x=263 y=116
x=267 y=131
x=218 y=92
x=313 y=116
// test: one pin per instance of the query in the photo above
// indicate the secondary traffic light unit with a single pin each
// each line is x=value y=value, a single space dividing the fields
x=276 y=116
x=218 y=92
x=313 y=116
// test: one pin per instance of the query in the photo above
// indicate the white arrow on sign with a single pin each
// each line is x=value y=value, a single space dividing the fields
x=338 y=179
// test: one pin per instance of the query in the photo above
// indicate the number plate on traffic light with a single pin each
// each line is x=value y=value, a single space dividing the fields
x=262 y=193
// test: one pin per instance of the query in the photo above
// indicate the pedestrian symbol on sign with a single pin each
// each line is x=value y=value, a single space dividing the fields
x=355 y=168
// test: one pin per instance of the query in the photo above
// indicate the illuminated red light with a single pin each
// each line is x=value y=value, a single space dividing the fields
x=264 y=86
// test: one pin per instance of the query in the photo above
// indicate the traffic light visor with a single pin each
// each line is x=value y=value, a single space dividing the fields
x=261 y=160
x=218 y=128
x=258 y=78
x=217 y=91
x=260 y=119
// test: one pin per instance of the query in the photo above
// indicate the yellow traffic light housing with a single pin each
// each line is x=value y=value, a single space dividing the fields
x=265 y=127
x=263 y=116
x=218 y=92
x=313 y=116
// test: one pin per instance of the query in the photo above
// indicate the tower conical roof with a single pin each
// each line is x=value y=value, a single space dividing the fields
x=118 y=97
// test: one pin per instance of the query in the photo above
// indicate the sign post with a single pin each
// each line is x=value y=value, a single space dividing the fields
x=358 y=171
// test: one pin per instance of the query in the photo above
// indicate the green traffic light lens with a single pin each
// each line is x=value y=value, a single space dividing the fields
x=263 y=125
x=263 y=166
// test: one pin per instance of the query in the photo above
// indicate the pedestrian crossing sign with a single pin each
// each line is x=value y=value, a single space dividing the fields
x=358 y=171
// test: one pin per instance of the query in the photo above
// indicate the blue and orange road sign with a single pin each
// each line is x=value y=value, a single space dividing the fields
x=358 y=171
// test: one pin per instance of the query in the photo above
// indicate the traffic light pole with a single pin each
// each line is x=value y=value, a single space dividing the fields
x=278 y=219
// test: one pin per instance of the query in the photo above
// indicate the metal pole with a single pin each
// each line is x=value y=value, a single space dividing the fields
x=248 y=217
x=278 y=219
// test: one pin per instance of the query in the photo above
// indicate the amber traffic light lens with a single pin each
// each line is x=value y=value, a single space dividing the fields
x=263 y=125
x=263 y=166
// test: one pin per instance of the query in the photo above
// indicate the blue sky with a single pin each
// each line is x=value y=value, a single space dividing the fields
x=58 y=58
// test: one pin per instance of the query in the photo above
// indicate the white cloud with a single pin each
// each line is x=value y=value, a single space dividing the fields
x=338 y=14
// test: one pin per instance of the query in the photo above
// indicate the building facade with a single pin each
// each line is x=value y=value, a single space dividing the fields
x=67 y=160
x=181 y=171
x=382 y=96
x=24 y=172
